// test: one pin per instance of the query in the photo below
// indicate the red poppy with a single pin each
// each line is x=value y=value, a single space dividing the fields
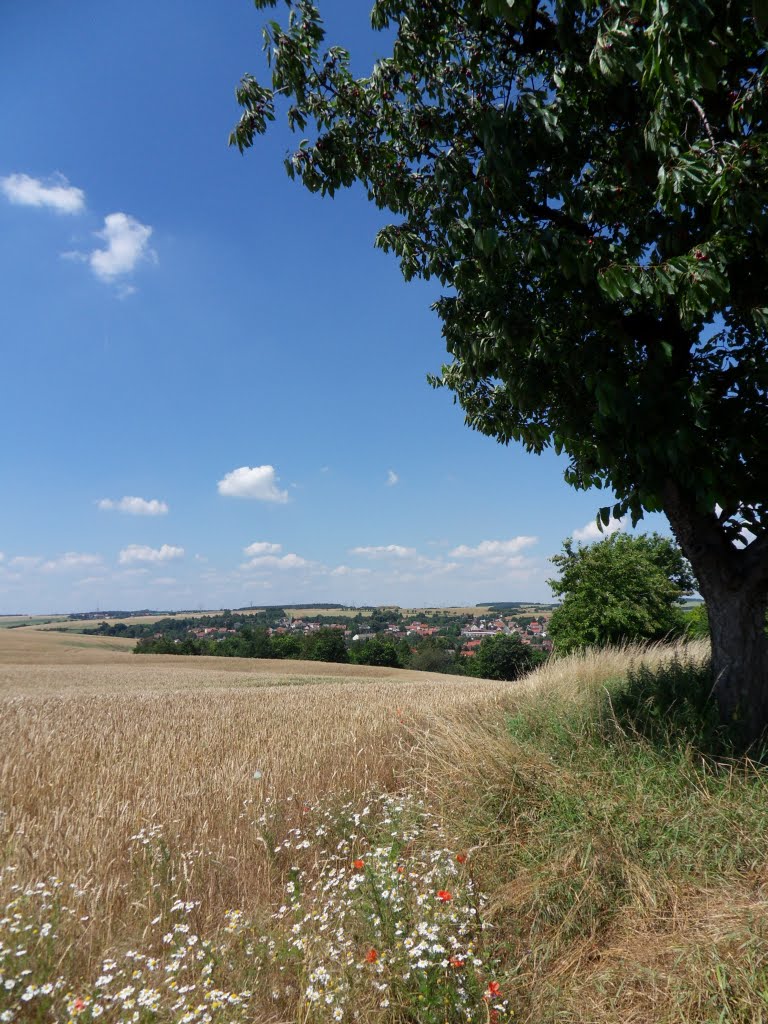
x=444 y=896
x=400 y=869
x=461 y=858
x=371 y=956
x=493 y=990
x=358 y=864
x=79 y=1005
x=456 y=962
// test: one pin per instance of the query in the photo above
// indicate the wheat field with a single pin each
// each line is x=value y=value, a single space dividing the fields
x=160 y=794
x=97 y=744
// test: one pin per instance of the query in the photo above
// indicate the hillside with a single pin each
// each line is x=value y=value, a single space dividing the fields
x=209 y=805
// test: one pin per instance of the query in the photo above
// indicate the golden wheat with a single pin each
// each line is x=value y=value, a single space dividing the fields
x=92 y=753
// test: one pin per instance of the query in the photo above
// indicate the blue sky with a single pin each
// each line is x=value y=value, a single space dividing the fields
x=214 y=387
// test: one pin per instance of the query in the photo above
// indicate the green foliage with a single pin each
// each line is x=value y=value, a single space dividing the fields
x=592 y=817
x=325 y=645
x=697 y=621
x=431 y=656
x=376 y=651
x=622 y=588
x=504 y=657
x=667 y=705
x=286 y=645
x=588 y=182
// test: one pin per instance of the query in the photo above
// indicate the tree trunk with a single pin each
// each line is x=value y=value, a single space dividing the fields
x=734 y=584
x=739 y=660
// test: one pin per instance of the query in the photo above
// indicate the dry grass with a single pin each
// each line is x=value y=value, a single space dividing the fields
x=15 y=621
x=101 y=744
x=576 y=676
x=628 y=882
x=29 y=646
x=77 y=625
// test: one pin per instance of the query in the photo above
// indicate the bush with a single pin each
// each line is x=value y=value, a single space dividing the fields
x=430 y=658
x=376 y=651
x=504 y=657
x=325 y=645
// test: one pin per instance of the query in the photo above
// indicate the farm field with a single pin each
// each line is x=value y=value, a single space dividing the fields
x=38 y=621
x=77 y=625
x=180 y=835
x=98 y=747
x=61 y=623
x=31 y=646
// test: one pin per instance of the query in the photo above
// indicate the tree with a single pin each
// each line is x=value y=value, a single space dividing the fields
x=504 y=657
x=697 y=622
x=430 y=656
x=377 y=651
x=285 y=645
x=587 y=181
x=622 y=588
x=325 y=645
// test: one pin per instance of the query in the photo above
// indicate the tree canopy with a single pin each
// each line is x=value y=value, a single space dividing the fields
x=623 y=588
x=504 y=656
x=587 y=181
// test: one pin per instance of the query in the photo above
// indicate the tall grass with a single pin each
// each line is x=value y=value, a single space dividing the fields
x=574 y=847
x=626 y=867
x=91 y=755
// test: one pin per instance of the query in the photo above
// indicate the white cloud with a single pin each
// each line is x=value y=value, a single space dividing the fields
x=289 y=561
x=127 y=244
x=89 y=581
x=142 y=553
x=25 y=561
x=262 y=547
x=384 y=551
x=2 y=556
x=431 y=566
x=591 y=531
x=495 y=551
x=133 y=506
x=345 y=570
x=259 y=482
x=58 y=194
x=164 y=581
x=71 y=560
x=392 y=478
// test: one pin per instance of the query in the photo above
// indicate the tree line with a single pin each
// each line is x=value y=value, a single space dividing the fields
x=499 y=657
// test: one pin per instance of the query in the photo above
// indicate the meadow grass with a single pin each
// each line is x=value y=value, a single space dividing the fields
x=199 y=842
x=623 y=854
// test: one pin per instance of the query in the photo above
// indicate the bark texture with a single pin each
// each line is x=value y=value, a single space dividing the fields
x=740 y=661
x=734 y=584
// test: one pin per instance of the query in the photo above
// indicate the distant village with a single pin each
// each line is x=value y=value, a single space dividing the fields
x=473 y=630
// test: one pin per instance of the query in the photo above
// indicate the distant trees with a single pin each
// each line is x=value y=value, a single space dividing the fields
x=504 y=656
x=249 y=637
x=433 y=656
x=286 y=645
x=697 y=622
x=378 y=651
x=622 y=588
x=325 y=645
